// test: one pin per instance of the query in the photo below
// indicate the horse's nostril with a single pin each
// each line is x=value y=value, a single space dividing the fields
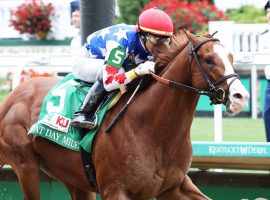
x=237 y=95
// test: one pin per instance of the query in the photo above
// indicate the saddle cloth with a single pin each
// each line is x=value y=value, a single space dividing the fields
x=54 y=122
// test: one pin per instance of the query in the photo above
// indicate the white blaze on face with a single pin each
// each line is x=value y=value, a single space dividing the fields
x=238 y=95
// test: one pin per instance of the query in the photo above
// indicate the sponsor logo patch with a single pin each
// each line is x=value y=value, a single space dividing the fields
x=56 y=121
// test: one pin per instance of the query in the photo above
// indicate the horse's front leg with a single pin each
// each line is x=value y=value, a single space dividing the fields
x=77 y=194
x=186 y=191
x=119 y=195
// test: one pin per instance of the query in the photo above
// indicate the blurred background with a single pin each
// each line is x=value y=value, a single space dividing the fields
x=30 y=47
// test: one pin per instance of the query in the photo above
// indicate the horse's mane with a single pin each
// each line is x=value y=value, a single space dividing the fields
x=167 y=54
x=179 y=41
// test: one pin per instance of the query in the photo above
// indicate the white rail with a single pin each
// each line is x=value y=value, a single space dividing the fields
x=244 y=41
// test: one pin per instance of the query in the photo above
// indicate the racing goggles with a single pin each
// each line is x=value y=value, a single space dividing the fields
x=158 y=39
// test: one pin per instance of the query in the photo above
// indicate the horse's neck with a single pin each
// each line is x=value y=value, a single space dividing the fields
x=168 y=109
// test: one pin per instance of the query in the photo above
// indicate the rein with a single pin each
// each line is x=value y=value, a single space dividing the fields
x=216 y=95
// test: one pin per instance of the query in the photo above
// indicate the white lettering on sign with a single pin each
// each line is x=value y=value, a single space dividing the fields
x=240 y=150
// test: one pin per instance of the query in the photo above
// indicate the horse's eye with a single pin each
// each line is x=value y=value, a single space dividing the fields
x=209 y=62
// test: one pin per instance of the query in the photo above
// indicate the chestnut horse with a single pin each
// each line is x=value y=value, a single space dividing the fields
x=148 y=152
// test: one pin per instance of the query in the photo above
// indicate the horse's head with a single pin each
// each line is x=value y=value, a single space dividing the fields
x=211 y=59
x=211 y=71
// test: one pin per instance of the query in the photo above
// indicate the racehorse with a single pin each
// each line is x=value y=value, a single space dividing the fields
x=148 y=152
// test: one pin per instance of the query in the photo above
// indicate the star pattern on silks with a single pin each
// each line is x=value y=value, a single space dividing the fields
x=103 y=51
x=98 y=41
x=90 y=37
x=101 y=43
x=111 y=44
x=121 y=34
x=91 y=55
x=104 y=33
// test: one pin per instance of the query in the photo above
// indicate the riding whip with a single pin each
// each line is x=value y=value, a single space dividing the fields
x=123 y=110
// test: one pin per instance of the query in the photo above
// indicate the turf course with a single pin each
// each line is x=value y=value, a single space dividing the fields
x=2 y=95
x=234 y=129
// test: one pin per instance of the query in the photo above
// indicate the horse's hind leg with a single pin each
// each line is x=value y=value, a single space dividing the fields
x=187 y=191
x=29 y=179
x=19 y=154
x=27 y=171
x=77 y=194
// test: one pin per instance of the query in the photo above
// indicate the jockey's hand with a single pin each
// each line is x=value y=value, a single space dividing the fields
x=145 y=68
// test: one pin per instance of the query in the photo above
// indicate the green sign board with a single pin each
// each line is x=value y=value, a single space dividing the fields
x=245 y=149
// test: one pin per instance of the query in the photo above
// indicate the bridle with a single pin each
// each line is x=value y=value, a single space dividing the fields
x=217 y=95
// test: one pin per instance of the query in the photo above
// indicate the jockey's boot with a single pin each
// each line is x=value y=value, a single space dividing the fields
x=85 y=117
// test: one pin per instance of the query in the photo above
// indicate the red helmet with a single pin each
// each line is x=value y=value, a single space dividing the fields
x=155 y=21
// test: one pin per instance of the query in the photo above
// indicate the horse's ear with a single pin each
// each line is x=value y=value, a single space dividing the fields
x=191 y=37
x=214 y=33
x=185 y=31
x=208 y=35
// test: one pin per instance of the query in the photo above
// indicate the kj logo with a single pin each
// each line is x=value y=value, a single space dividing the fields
x=62 y=121
x=57 y=122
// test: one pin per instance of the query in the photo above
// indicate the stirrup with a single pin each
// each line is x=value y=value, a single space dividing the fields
x=86 y=124
x=95 y=117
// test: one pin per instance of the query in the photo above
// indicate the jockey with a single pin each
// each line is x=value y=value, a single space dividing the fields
x=114 y=56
